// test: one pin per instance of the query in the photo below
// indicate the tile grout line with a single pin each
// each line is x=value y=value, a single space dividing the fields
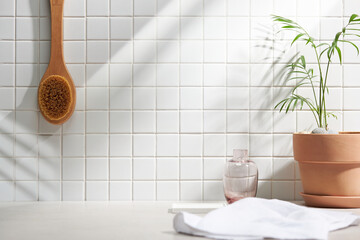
x=85 y=107
x=179 y=104
x=132 y=101
x=108 y=107
x=15 y=107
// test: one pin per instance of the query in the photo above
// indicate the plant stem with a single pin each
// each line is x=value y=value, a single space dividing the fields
x=324 y=88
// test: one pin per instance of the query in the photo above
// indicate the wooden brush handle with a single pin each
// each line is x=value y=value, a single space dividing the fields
x=57 y=7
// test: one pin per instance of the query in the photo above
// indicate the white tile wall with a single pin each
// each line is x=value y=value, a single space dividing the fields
x=165 y=90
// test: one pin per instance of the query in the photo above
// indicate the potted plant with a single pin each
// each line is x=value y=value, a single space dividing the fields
x=329 y=162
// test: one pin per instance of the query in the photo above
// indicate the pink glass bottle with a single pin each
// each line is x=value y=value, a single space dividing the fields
x=240 y=177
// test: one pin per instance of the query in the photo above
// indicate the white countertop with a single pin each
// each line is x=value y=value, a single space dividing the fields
x=102 y=221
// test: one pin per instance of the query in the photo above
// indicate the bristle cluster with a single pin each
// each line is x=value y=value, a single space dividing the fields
x=54 y=97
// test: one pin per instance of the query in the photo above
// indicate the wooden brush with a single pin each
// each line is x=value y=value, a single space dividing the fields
x=56 y=93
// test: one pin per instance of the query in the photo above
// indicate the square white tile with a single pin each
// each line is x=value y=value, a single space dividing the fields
x=191 y=51
x=97 y=28
x=144 y=168
x=191 y=8
x=144 y=98
x=261 y=122
x=284 y=168
x=120 y=122
x=120 y=98
x=191 y=74
x=97 y=191
x=214 y=121
x=26 y=122
x=191 y=168
x=76 y=124
x=144 y=51
x=8 y=71
x=120 y=168
x=167 y=75
x=144 y=75
x=49 y=168
x=74 y=8
x=144 y=121
x=73 y=191
x=238 y=121
x=168 y=27
x=214 y=98
x=27 y=8
x=97 y=98
x=168 y=51
x=121 y=28
x=26 y=169
x=214 y=74
x=97 y=75
x=191 y=121
x=97 y=8
x=167 y=98
x=213 y=191
x=214 y=27
x=97 y=122
x=213 y=168
x=73 y=169
x=27 y=28
x=26 y=191
x=121 y=51
x=7 y=189
x=7 y=9
x=190 y=98
x=168 y=7
x=74 y=29
x=73 y=145
x=265 y=168
x=214 y=7
x=49 y=191
x=74 y=52
x=144 y=28
x=97 y=51
x=214 y=145
x=97 y=145
x=215 y=51
x=7 y=165
x=193 y=32
x=190 y=191
x=97 y=169
x=120 y=191
x=121 y=7
x=167 y=145
x=144 y=191
x=167 y=191
x=191 y=145
x=167 y=122
x=167 y=168
x=144 y=145
x=49 y=145
x=120 y=75
x=26 y=145
x=144 y=7
x=260 y=145
x=26 y=52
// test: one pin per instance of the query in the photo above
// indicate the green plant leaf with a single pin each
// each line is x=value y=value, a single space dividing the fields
x=303 y=61
x=353 y=17
x=339 y=53
x=353 y=44
x=297 y=37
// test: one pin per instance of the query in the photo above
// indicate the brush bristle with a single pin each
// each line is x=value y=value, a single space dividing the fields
x=54 y=97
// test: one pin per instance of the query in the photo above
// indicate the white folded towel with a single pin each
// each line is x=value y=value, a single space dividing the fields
x=256 y=218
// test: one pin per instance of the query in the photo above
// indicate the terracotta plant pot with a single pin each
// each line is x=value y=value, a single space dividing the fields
x=329 y=163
